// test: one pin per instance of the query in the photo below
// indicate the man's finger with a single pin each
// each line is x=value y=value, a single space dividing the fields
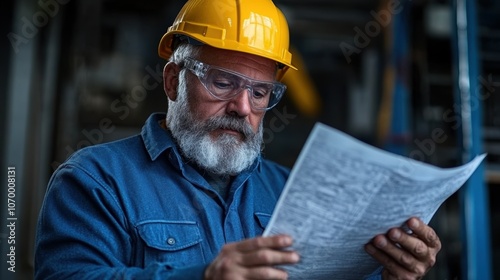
x=411 y=243
x=387 y=261
x=424 y=232
x=273 y=242
x=269 y=257
x=394 y=259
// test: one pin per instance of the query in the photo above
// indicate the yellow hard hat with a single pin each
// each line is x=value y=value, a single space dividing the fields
x=251 y=26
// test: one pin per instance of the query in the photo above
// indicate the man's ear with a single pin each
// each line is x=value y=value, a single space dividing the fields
x=171 y=80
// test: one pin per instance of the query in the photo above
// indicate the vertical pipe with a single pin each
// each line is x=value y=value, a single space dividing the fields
x=397 y=90
x=473 y=196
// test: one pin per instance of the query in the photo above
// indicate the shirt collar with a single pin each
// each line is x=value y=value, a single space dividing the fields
x=156 y=139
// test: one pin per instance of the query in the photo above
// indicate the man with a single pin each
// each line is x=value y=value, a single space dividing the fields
x=190 y=196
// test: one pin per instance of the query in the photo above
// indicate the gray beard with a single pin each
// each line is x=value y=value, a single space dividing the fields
x=227 y=155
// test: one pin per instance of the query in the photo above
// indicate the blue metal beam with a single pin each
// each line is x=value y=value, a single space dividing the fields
x=476 y=254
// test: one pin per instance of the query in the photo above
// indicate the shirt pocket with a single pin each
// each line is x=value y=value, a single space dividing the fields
x=262 y=220
x=177 y=243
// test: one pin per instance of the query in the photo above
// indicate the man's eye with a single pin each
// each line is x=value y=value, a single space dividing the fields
x=262 y=90
x=223 y=84
x=259 y=93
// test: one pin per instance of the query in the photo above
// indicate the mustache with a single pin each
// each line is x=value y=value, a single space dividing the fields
x=228 y=122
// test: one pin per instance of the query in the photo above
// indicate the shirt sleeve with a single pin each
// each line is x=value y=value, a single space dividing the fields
x=83 y=233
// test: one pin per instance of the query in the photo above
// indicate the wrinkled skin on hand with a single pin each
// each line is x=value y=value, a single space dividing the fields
x=404 y=255
x=253 y=258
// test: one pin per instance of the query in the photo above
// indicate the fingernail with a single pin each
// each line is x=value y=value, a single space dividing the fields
x=413 y=223
x=295 y=257
x=395 y=235
x=287 y=241
x=381 y=243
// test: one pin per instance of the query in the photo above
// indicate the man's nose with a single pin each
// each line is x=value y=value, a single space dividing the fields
x=240 y=104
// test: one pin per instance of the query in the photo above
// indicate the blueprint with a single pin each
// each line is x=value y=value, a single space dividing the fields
x=342 y=192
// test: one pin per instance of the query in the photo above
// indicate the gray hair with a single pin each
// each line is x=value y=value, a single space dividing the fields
x=180 y=53
x=183 y=51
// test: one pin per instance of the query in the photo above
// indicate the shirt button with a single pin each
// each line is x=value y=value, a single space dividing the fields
x=170 y=241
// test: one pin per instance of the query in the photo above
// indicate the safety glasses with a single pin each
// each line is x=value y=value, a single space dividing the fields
x=225 y=84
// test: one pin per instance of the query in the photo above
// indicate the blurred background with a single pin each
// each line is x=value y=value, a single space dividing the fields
x=418 y=78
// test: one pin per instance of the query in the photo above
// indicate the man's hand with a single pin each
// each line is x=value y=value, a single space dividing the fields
x=253 y=259
x=403 y=255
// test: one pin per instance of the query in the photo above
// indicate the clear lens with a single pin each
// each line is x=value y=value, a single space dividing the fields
x=224 y=84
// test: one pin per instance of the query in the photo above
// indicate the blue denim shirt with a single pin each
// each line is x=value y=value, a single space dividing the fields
x=133 y=209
